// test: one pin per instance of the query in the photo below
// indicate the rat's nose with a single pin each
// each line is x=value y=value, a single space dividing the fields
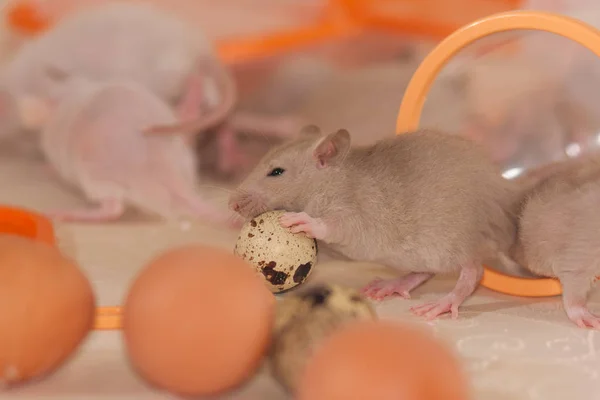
x=234 y=205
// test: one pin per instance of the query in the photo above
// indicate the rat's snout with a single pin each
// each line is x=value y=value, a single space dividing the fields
x=234 y=204
x=239 y=200
x=245 y=203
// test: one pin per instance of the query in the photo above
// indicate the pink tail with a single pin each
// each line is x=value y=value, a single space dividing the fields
x=199 y=124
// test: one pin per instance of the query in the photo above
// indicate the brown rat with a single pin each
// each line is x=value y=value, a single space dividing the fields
x=558 y=232
x=422 y=202
x=94 y=141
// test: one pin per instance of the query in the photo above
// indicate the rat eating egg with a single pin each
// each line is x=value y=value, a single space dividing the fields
x=304 y=319
x=283 y=258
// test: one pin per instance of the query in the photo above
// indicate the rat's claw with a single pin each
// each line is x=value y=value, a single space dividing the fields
x=305 y=228
x=291 y=218
x=302 y=222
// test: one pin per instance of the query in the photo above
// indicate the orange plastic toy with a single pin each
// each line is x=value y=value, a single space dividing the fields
x=18 y=221
x=434 y=19
x=25 y=17
x=415 y=95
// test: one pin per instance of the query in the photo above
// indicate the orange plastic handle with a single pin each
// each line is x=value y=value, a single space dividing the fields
x=414 y=99
x=27 y=223
x=108 y=318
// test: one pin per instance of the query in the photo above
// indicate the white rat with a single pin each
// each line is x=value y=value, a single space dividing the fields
x=558 y=232
x=141 y=43
x=94 y=140
x=422 y=202
x=129 y=41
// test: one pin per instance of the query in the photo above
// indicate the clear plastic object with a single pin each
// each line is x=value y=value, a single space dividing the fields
x=532 y=98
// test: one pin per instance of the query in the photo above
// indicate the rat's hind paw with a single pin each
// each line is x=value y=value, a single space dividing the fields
x=434 y=309
x=380 y=289
x=582 y=317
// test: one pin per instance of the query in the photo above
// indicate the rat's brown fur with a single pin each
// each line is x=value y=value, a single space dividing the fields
x=424 y=202
x=558 y=232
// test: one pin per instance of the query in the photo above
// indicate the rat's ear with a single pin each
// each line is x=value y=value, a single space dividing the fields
x=332 y=148
x=310 y=130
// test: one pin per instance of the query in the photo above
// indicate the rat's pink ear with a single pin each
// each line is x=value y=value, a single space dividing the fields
x=332 y=148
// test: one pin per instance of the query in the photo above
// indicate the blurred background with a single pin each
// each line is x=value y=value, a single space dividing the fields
x=528 y=97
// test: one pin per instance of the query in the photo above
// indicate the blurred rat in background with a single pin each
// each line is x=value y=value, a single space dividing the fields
x=558 y=231
x=422 y=202
x=521 y=115
x=145 y=45
x=93 y=140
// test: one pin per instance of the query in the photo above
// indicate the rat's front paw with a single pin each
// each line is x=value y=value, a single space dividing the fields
x=302 y=222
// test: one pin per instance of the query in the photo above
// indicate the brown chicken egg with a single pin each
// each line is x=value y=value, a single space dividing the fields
x=379 y=360
x=197 y=321
x=46 y=308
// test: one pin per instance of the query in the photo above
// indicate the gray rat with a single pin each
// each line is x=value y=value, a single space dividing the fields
x=558 y=230
x=94 y=141
x=423 y=202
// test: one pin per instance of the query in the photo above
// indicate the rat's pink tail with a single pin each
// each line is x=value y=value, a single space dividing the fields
x=202 y=123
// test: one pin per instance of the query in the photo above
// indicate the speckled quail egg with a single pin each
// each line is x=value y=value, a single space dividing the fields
x=283 y=258
x=305 y=318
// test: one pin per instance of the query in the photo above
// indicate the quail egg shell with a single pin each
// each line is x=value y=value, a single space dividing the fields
x=283 y=258
x=304 y=319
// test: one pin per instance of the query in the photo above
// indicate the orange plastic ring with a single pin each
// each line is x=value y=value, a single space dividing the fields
x=27 y=223
x=108 y=318
x=412 y=104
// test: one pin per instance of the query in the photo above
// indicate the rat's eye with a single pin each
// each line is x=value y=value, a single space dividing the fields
x=276 y=172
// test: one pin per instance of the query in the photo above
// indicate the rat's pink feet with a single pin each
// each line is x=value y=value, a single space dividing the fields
x=470 y=275
x=302 y=222
x=582 y=317
x=576 y=287
x=434 y=309
x=108 y=210
x=380 y=288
